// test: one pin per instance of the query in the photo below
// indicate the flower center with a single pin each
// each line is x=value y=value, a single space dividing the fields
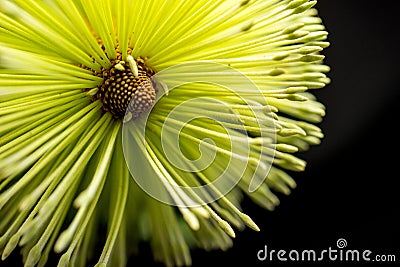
x=127 y=88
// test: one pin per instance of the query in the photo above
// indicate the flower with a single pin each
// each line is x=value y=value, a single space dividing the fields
x=201 y=103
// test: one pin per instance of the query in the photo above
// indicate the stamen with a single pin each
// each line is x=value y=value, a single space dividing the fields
x=133 y=65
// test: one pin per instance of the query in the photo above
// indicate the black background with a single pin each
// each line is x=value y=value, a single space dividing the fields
x=349 y=188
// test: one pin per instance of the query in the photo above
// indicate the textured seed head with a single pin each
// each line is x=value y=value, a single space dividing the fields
x=122 y=90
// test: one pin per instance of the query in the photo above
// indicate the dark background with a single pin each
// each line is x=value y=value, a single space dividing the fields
x=349 y=188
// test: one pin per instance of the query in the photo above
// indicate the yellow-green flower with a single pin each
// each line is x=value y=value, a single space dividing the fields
x=123 y=121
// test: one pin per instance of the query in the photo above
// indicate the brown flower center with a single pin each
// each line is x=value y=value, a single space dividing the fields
x=126 y=90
